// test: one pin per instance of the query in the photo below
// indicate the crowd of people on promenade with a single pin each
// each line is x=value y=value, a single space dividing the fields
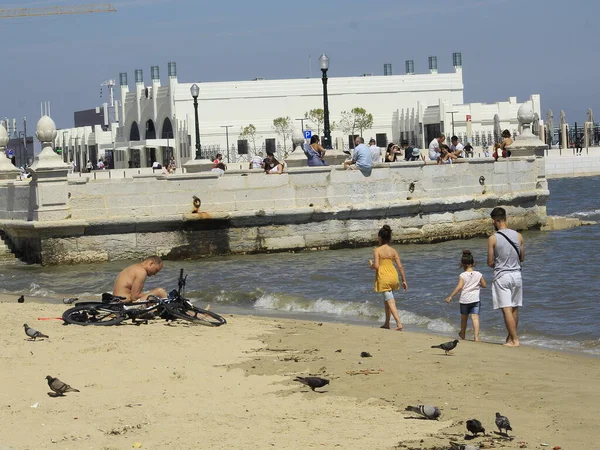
x=360 y=157
x=505 y=254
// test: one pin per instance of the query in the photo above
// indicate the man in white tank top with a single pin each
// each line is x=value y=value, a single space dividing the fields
x=506 y=252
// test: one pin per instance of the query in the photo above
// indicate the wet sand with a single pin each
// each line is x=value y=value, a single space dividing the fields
x=188 y=387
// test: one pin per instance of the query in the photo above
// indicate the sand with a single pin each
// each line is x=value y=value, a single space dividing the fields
x=182 y=386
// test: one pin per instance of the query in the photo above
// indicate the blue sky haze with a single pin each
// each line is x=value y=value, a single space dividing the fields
x=510 y=47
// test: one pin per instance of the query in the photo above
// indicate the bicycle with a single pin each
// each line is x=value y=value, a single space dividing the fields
x=112 y=311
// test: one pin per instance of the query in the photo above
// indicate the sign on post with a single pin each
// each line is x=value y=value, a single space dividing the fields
x=307 y=134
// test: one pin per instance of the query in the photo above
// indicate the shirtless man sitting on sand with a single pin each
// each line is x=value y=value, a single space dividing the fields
x=130 y=282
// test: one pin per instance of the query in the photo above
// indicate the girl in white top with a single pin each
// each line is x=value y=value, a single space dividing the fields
x=469 y=284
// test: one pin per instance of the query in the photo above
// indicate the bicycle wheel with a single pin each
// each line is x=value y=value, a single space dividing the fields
x=191 y=313
x=101 y=315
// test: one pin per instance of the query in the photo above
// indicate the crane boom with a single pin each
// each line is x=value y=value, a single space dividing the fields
x=53 y=10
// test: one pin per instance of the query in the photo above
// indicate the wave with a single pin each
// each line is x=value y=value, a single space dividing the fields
x=585 y=214
x=35 y=289
x=333 y=308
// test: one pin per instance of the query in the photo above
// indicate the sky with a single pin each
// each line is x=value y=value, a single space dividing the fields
x=509 y=47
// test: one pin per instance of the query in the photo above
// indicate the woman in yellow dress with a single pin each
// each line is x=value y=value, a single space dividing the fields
x=386 y=275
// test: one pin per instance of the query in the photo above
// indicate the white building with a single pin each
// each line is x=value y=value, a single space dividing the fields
x=158 y=121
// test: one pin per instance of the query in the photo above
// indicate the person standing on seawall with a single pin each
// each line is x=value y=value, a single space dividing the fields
x=386 y=276
x=506 y=252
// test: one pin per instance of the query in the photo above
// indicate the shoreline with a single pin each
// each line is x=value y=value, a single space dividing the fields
x=304 y=317
x=139 y=384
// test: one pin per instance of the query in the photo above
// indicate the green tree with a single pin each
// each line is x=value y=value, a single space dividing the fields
x=249 y=133
x=357 y=119
x=317 y=117
x=283 y=127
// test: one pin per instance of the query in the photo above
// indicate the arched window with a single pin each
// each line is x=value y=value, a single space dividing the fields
x=150 y=130
x=134 y=133
x=167 y=129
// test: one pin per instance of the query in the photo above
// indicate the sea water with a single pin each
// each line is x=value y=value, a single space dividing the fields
x=560 y=275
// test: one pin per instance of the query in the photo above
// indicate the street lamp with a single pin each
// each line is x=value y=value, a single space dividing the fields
x=227 y=127
x=302 y=123
x=453 y=112
x=195 y=90
x=324 y=63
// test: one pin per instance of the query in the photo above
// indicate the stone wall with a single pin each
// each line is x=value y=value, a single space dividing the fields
x=573 y=166
x=249 y=211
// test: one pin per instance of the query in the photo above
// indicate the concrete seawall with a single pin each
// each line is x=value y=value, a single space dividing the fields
x=248 y=211
x=565 y=164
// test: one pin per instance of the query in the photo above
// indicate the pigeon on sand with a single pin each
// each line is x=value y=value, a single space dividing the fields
x=21 y=299
x=503 y=423
x=447 y=346
x=312 y=382
x=33 y=333
x=429 y=412
x=474 y=426
x=58 y=386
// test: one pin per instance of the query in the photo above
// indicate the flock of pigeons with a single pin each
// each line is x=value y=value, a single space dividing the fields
x=58 y=387
x=474 y=426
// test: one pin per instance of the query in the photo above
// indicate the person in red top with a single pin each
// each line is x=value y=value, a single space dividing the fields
x=218 y=160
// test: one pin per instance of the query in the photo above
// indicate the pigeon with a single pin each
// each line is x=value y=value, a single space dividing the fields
x=447 y=346
x=312 y=382
x=475 y=427
x=429 y=412
x=58 y=386
x=365 y=355
x=503 y=423
x=32 y=333
x=21 y=299
x=456 y=446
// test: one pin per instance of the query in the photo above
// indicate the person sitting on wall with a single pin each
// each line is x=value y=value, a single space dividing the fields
x=506 y=142
x=434 y=148
x=218 y=159
x=375 y=151
x=257 y=161
x=469 y=150
x=393 y=153
x=314 y=152
x=361 y=158
x=272 y=166
x=172 y=165
x=446 y=155
x=156 y=165
x=100 y=164
x=220 y=169
x=130 y=282
x=456 y=147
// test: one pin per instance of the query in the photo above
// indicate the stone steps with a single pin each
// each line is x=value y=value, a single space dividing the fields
x=5 y=253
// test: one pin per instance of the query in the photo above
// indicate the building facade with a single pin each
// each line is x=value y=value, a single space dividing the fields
x=157 y=122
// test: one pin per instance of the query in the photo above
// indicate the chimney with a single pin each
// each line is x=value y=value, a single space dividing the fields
x=172 y=68
x=457 y=61
x=139 y=76
x=433 y=64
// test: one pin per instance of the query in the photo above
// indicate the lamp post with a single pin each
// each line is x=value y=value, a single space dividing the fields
x=324 y=63
x=195 y=90
x=453 y=112
x=227 y=127
x=64 y=146
x=302 y=123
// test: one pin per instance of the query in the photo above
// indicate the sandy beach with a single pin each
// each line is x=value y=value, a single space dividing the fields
x=182 y=386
